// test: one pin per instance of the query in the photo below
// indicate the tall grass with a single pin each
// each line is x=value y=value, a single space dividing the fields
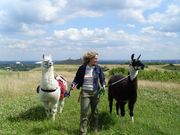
x=18 y=83
x=156 y=111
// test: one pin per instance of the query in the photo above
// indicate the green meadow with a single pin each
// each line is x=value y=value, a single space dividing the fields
x=157 y=110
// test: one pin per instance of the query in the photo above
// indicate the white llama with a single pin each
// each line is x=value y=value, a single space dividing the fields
x=49 y=90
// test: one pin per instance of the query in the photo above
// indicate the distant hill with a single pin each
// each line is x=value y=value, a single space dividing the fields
x=71 y=61
x=149 y=62
x=172 y=67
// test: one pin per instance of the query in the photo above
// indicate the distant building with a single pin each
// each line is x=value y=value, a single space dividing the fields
x=18 y=62
x=38 y=62
x=7 y=68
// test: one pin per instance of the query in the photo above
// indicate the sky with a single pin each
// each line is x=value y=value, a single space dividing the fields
x=69 y=28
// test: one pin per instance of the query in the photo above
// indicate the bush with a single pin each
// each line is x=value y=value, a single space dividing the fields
x=104 y=68
x=156 y=75
x=118 y=70
x=153 y=75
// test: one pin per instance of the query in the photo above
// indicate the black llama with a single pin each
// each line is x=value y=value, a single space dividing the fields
x=124 y=89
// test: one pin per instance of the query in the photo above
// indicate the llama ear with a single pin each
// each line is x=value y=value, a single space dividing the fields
x=43 y=56
x=132 y=56
x=139 y=57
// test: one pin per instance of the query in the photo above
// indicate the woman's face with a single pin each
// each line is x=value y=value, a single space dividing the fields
x=93 y=61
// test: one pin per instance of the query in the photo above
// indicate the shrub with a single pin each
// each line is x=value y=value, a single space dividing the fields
x=118 y=70
x=156 y=75
x=104 y=68
x=153 y=75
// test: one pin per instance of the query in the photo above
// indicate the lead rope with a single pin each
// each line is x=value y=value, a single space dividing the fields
x=117 y=81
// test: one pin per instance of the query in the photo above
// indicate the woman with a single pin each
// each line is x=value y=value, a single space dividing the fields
x=88 y=77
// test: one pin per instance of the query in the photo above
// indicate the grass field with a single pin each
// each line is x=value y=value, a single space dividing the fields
x=157 y=111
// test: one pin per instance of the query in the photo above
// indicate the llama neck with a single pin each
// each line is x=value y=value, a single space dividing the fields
x=48 y=81
x=48 y=73
x=133 y=73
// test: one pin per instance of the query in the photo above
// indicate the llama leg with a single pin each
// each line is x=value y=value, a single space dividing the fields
x=54 y=110
x=131 y=108
x=117 y=108
x=61 y=105
x=110 y=103
x=122 y=106
x=47 y=109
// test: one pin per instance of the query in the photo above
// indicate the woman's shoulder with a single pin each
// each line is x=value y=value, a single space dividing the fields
x=81 y=67
x=98 y=66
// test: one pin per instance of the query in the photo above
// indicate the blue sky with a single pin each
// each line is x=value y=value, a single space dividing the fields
x=68 y=28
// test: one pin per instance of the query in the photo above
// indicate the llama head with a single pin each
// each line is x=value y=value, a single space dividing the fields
x=47 y=61
x=136 y=63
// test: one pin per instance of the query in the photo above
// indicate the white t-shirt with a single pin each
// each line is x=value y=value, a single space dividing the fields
x=88 y=78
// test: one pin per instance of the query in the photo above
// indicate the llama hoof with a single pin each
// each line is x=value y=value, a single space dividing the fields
x=47 y=115
x=132 y=120
x=60 y=110
x=53 y=118
x=122 y=120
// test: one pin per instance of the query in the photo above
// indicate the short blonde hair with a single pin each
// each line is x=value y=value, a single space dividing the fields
x=88 y=56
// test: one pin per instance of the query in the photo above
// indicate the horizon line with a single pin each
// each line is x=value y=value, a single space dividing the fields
x=98 y=60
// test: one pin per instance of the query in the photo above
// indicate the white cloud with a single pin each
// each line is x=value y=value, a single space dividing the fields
x=131 y=26
x=60 y=10
x=100 y=38
x=95 y=35
x=9 y=43
x=145 y=4
x=168 y=20
x=3 y=15
x=152 y=31
x=50 y=10
x=31 y=32
x=135 y=9
x=33 y=11
x=18 y=45
x=84 y=13
x=110 y=43
x=135 y=14
x=71 y=34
